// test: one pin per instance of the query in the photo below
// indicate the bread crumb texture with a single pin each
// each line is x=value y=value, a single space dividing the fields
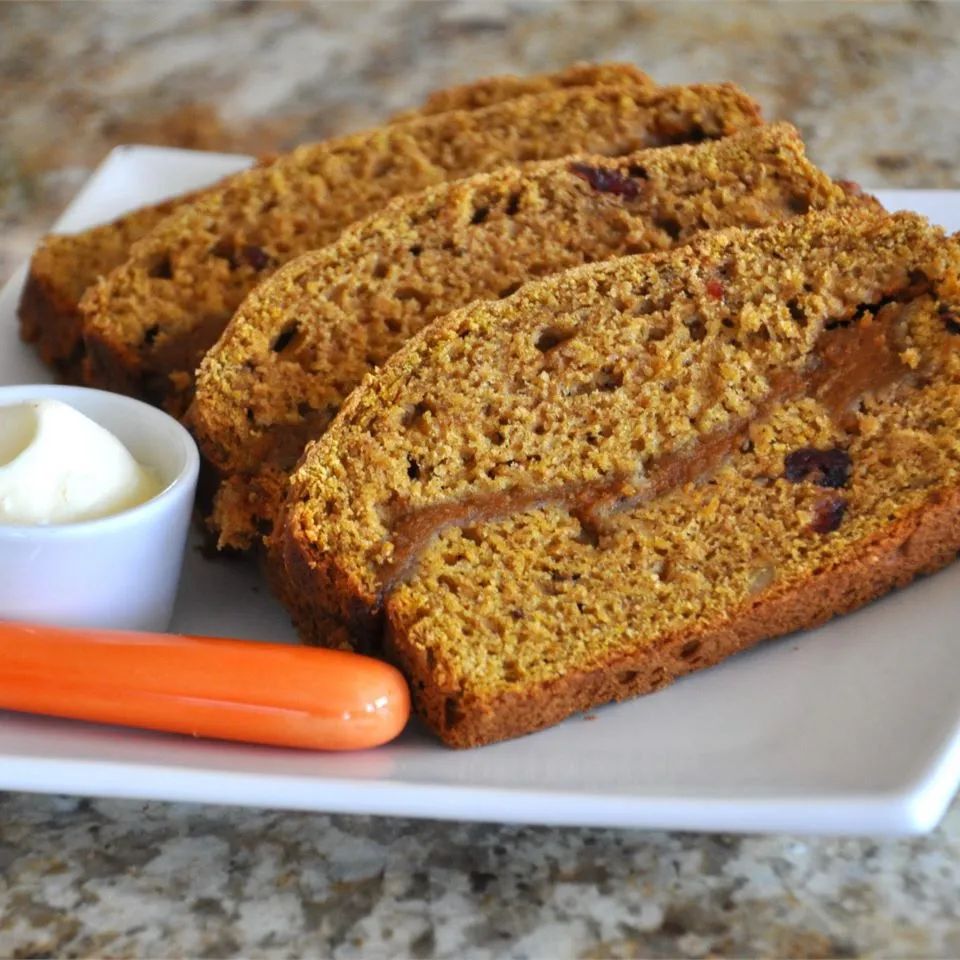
x=148 y=324
x=635 y=468
x=306 y=337
x=66 y=265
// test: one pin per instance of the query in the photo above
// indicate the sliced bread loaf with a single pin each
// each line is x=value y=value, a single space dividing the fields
x=62 y=268
x=65 y=265
x=307 y=336
x=637 y=468
x=148 y=324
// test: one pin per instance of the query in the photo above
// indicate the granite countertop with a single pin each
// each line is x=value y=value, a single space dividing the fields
x=873 y=88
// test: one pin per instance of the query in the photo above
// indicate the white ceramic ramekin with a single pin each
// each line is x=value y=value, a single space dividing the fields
x=119 y=571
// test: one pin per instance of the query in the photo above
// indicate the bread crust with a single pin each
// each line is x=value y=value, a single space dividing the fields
x=922 y=542
x=499 y=87
x=53 y=324
x=307 y=577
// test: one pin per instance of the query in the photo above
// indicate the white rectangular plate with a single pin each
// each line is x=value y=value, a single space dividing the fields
x=852 y=728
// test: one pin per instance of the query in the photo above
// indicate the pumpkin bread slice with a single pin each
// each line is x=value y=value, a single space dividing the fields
x=65 y=265
x=148 y=324
x=62 y=268
x=637 y=468
x=308 y=335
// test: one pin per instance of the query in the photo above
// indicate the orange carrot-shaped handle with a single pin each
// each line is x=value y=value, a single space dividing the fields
x=228 y=689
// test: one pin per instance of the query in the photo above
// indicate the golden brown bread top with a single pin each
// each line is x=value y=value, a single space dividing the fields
x=626 y=471
x=489 y=90
x=153 y=318
x=304 y=338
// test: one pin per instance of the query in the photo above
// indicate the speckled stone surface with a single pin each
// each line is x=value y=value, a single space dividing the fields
x=111 y=879
x=874 y=89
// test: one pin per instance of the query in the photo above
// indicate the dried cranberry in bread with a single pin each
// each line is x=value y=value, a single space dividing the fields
x=307 y=336
x=148 y=324
x=637 y=468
